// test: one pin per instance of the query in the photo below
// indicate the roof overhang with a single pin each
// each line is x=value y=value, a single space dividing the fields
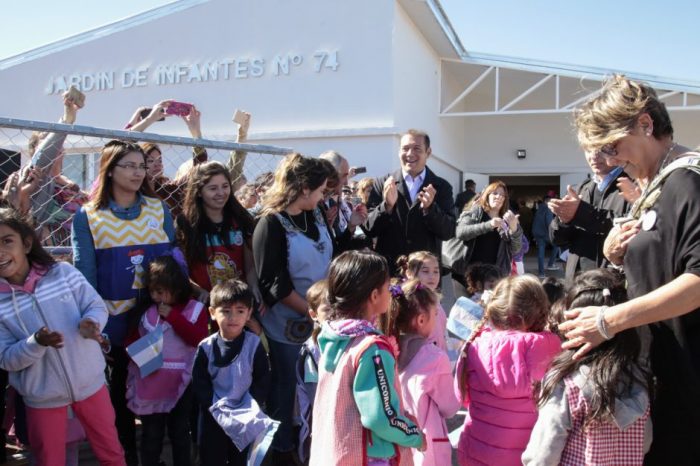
x=433 y=24
x=99 y=32
x=484 y=85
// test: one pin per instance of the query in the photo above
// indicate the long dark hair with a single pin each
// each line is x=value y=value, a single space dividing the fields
x=614 y=364
x=14 y=220
x=352 y=277
x=194 y=224
x=111 y=154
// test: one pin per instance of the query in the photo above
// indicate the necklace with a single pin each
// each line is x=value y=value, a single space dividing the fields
x=665 y=161
x=306 y=225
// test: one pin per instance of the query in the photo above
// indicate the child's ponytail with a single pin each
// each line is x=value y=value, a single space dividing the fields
x=408 y=300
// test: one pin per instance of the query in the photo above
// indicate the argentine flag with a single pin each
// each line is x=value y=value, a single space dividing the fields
x=147 y=351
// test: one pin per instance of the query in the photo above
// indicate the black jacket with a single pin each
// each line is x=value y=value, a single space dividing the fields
x=407 y=229
x=474 y=223
x=585 y=234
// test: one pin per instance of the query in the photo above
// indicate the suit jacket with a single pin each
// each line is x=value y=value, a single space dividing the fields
x=407 y=228
x=585 y=234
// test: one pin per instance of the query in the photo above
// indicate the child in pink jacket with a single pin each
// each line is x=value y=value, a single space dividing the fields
x=496 y=371
x=425 y=372
x=425 y=267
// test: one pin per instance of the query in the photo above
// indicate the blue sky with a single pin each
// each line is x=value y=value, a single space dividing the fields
x=643 y=36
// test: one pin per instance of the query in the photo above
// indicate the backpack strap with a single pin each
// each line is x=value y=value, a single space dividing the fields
x=375 y=339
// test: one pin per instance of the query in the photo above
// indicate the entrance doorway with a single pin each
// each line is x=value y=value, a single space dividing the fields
x=525 y=192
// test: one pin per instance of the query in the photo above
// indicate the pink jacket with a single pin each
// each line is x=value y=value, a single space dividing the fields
x=501 y=368
x=440 y=330
x=426 y=389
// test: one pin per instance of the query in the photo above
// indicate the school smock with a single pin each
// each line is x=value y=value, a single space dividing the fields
x=560 y=436
x=160 y=391
x=229 y=382
x=112 y=247
x=289 y=259
x=502 y=366
x=425 y=376
x=358 y=411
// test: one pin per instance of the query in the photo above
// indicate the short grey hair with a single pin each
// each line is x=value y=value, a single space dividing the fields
x=334 y=158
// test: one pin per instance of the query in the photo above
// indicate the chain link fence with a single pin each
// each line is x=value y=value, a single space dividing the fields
x=54 y=179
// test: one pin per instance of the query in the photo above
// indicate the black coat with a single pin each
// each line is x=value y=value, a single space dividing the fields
x=407 y=229
x=585 y=234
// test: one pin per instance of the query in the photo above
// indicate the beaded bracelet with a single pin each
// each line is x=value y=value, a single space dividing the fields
x=601 y=324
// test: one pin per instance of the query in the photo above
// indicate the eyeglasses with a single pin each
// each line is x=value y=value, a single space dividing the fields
x=610 y=149
x=131 y=166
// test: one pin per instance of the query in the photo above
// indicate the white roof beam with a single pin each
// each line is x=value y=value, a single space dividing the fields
x=532 y=89
x=668 y=94
x=581 y=100
x=469 y=89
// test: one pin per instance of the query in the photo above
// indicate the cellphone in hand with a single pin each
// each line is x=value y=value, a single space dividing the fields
x=239 y=117
x=178 y=108
x=75 y=96
x=359 y=170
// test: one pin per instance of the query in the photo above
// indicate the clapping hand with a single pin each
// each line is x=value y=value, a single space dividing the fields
x=511 y=220
x=496 y=223
x=566 y=207
x=390 y=193
x=426 y=197
x=89 y=329
x=46 y=338
x=359 y=215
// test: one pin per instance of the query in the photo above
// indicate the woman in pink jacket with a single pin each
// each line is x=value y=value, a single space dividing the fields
x=496 y=372
x=425 y=372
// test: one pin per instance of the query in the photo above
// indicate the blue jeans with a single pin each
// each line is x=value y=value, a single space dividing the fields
x=541 y=246
x=280 y=404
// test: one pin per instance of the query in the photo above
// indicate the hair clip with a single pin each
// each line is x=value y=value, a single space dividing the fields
x=606 y=293
x=396 y=291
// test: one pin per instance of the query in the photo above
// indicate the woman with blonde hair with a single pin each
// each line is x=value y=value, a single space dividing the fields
x=490 y=231
x=292 y=248
x=660 y=251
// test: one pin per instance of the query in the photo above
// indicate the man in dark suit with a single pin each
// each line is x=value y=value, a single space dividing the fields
x=584 y=216
x=411 y=209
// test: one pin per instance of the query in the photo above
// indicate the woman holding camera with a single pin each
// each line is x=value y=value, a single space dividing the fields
x=490 y=231
x=660 y=250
